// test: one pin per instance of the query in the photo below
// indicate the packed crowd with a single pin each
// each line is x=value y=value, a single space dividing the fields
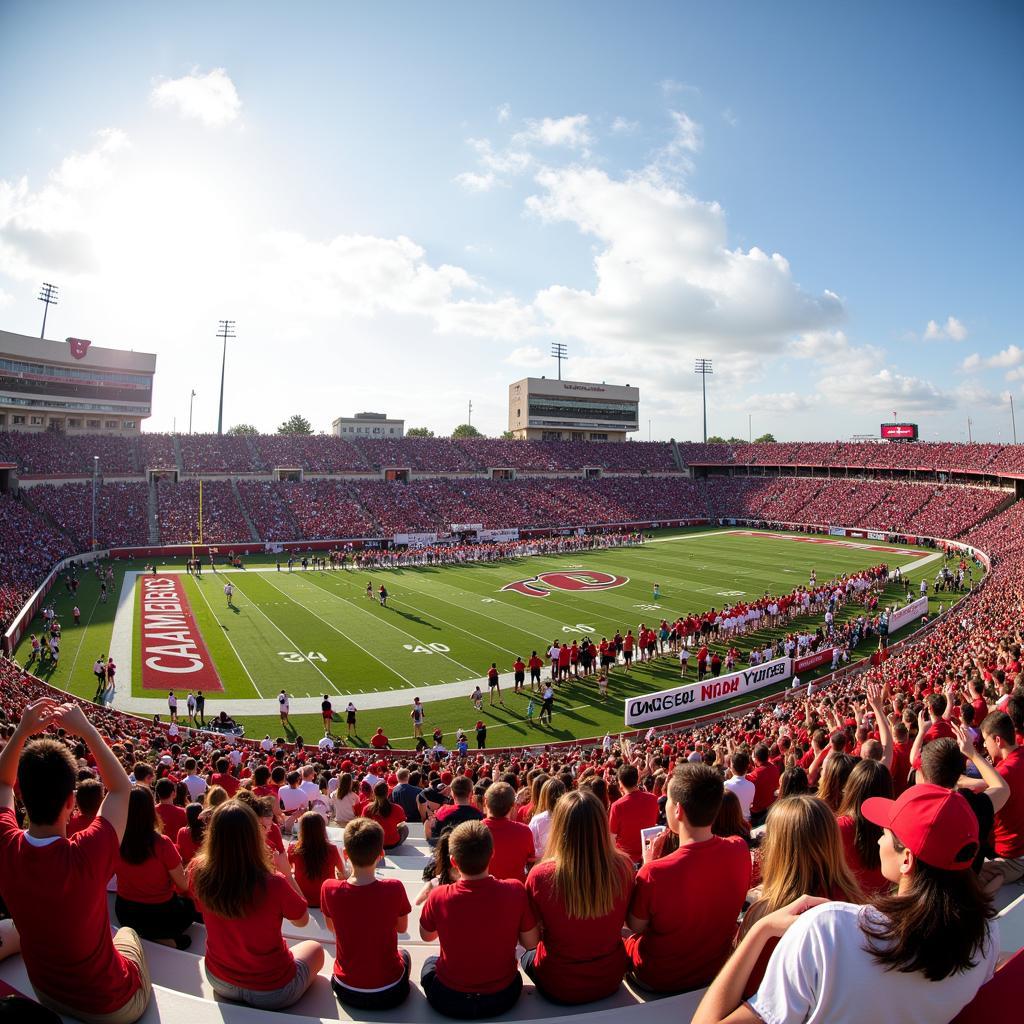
x=178 y=505
x=122 y=511
x=52 y=454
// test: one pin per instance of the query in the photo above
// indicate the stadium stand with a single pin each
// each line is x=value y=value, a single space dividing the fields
x=52 y=454
x=216 y=453
x=121 y=511
x=179 y=512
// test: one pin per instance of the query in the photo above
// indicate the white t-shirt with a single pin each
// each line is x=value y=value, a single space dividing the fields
x=228 y=589
x=195 y=785
x=822 y=972
x=325 y=743
x=266 y=744
x=282 y=699
x=540 y=825
x=744 y=790
x=292 y=799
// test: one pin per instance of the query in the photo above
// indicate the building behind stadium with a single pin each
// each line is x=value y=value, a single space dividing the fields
x=541 y=409
x=73 y=386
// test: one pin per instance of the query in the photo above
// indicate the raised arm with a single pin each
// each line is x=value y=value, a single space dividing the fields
x=884 y=729
x=996 y=787
x=34 y=719
x=114 y=808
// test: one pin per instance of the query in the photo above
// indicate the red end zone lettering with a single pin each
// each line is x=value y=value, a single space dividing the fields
x=174 y=654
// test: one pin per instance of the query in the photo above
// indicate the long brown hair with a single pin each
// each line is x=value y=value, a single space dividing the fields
x=551 y=792
x=313 y=846
x=730 y=821
x=936 y=927
x=802 y=853
x=381 y=805
x=868 y=778
x=536 y=785
x=142 y=827
x=833 y=778
x=231 y=870
x=591 y=875
x=344 y=786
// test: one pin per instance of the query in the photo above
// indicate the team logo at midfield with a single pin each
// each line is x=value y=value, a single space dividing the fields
x=580 y=579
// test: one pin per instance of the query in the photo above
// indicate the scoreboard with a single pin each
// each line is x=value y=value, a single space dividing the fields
x=899 y=431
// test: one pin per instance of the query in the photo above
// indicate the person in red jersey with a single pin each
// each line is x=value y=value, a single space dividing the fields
x=564 y=661
x=633 y=811
x=150 y=878
x=535 y=665
x=88 y=797
x=513 y=841
x=55 y=887
x=314 y=858
x=518 y=675
x=475 y=978
x=222 y=777
x=389 y=815
x=366 y=914
x=627 y=649
x=379 y=741
x=765 y=778
x=1000 y=741
x=172 y=817
x=579 y=894
x=684 y=906
x=243 y=902
x=190 y=837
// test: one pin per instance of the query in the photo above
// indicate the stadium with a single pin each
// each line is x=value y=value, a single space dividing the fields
x=572 y=711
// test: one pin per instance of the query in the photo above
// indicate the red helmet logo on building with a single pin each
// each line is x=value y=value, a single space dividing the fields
x=79 y=346
x=582 y=579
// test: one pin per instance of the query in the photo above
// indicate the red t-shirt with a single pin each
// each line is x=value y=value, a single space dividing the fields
x=474 y=960
x=389 y=824
x=273 y=838
x=57 y=895
x=378 y=741
x=149 y=882
x=690 y=900
x=628 y=815
x=872 y=881
x=365 y=921
x=513 y=848
x=226 y=782
x=186 y=846
x=577 y=960
x=980 y=706
x=310 y=886
x=78 y=823
x=900 y=767
x=172 y=817
x=250 y=951
x=765 y=778
x=1008 y=831
x=563 y=657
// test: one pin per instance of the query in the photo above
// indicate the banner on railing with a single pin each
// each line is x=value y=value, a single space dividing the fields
x=415 y=540
x=809 y=662
x=497 y=536
x=907 y=613
x=649 y=707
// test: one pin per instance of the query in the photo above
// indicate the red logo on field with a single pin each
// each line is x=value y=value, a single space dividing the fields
x=580 y=579
x=79 y=346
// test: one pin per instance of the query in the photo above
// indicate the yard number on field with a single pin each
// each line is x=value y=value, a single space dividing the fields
x=580 y=627
x=427 y=648
x=295 y=658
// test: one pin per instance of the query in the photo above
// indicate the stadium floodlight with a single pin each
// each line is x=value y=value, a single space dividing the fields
x=191 y=399
x=225 y=330
x=559 y=351
x=95 y=477
x=48 y=296
x=703 y=367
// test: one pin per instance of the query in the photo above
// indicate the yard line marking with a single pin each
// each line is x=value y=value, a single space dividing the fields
x=412 y=637
x=289 y=639
x=230 y=643
x=390 y=668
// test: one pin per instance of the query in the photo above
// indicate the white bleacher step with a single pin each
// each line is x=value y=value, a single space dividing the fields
x=1011 y=924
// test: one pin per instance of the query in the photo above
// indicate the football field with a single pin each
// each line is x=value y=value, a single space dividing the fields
x=313 y=632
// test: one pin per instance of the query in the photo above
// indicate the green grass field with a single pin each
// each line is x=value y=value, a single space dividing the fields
x=316 y=632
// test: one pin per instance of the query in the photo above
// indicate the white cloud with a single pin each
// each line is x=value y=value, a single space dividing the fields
x=210 y=98
x=526 y=356
x=473 y=182
x=951 y=330
x=504 y=113
x=729 y=117
x=780 y=401
x=671 y=86
x=1013 y=355
x=572 y=132
x=665 y=275
x=623 y=126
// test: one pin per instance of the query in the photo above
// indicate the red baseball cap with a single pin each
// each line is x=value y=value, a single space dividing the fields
x=446 y=778
x=937 y=825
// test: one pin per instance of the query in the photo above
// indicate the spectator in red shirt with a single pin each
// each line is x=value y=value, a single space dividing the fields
x=634 y=811
x=172 y=817
x=56 y=888
x=314 y=858
x=1000 y=740
x=389 y=815
x=860 y=836
x=684 y=906
x=150 y=878
x=475 y=976
x=765 y=778
x=190 y=837
x=243 y=902
x=513 y=841
x=366 y=914
x=579 y=894
x=222 y=777
x=379 y=741
x=88 y=797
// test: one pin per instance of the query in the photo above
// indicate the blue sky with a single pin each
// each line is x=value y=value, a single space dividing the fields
x=402 y=205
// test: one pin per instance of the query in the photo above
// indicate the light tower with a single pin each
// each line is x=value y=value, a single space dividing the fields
x=559 y=351
x=703 y=367
x=48 y=296
x=225 y=330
